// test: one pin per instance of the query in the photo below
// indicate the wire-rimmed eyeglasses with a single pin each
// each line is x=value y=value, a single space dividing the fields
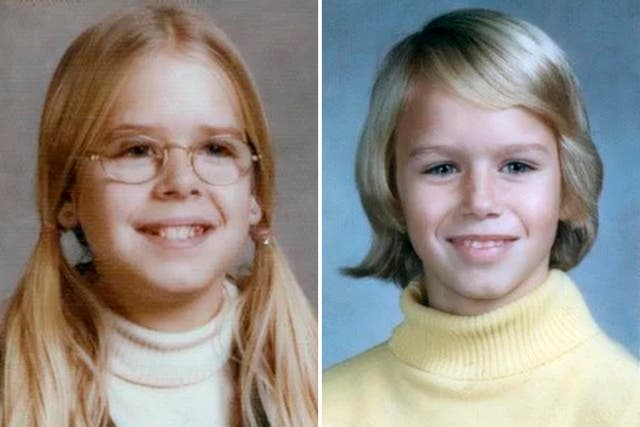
x=218 y=160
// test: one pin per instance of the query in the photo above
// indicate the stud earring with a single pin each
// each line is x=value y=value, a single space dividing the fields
x=262 y=236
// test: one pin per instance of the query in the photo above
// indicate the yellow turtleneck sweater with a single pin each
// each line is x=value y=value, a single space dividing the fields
x=539 y=361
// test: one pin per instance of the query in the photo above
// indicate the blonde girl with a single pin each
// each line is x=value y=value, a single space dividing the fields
x=154 y=153
x=478 y=174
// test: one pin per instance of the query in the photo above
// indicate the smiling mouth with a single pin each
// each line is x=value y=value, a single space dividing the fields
x=176 y=233
x=481 y=242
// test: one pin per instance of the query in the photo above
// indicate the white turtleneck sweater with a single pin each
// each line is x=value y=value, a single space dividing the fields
x=168 y=379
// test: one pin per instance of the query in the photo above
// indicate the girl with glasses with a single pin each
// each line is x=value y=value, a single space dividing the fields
x=154 y=153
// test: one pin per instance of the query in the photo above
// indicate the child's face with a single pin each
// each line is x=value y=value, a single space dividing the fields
x=480 y=193
x=174 y=235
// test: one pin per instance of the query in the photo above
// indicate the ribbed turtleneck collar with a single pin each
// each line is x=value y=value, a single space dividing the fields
x=171 y=359
x=519 y=336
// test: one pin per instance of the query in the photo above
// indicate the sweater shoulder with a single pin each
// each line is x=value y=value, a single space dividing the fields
x=612 y=383
x=349 y=385
x=612 y=363
x=366 y=363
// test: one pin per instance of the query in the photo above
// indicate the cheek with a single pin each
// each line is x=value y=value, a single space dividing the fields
x=234 y=204
x=106 y=210
x=425 y=207
x=109 y=202
x=539 y=206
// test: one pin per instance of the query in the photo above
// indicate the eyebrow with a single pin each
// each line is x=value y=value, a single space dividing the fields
x=152 y=129
x=506 y=149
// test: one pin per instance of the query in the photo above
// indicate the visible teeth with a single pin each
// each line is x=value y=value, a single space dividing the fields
x=180 y=232
x=485 y=244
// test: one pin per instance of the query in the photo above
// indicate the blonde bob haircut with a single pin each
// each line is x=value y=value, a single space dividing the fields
x=495 y=61
x=53 y=338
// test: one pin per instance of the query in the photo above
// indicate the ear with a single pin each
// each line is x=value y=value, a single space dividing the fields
x=255 y=211
x=67 y=216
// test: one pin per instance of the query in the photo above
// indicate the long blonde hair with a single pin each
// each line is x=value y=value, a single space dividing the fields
x=495 y=61
x=53 y=346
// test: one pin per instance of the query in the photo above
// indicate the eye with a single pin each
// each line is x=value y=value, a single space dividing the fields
x=442 y=169
x=139 y=150
x=217 y=148
x=136 y=148
x=516 y=167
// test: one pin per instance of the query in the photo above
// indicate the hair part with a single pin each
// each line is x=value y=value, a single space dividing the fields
x=495 y=61
x=53 y=349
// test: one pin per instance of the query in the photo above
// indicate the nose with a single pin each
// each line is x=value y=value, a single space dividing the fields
x=480 y=197
x=178 y=179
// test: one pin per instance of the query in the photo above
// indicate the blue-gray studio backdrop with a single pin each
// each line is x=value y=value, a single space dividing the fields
x=602 y=41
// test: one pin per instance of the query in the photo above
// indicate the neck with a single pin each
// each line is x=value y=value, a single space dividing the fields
x=171 y=359
x=164 y=310
x=517 y=337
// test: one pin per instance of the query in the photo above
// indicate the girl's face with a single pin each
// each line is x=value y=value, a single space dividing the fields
x=175 y=235
x=480 y=193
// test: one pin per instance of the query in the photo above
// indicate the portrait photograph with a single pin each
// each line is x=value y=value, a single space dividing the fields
x=480 y=213
x=159 y=242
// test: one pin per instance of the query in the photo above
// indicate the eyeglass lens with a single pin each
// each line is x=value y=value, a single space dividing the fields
x=217 y=161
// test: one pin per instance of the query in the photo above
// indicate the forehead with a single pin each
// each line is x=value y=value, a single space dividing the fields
x=433 y=115
x=176 y=92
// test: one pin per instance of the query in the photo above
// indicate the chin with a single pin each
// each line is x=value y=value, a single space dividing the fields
x=184 y=282
x=178 y=280
x=486 y=291
x=488 y=286
x=176 y=286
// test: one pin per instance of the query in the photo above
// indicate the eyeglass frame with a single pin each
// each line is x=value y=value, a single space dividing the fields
x=255 y=158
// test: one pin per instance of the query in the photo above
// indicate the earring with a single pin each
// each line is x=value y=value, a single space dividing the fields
x=261 y=235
